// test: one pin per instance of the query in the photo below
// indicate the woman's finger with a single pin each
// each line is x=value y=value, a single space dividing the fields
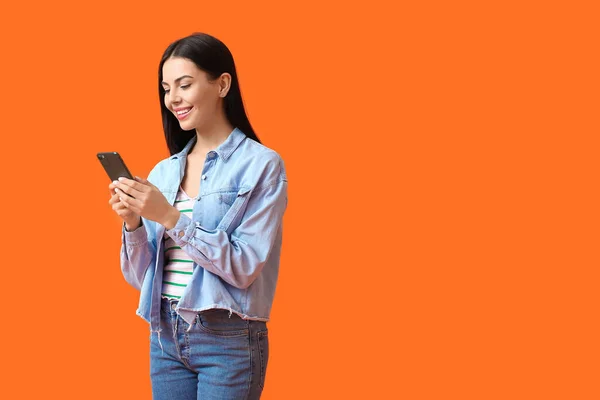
x=135 y=184
x=111 y=188
x=119 y=206
x=146 y=182
x=114 y=199
x=124 y=213
x=128 y=202
x=122 y=210
x=143 y=181
x=129 y=188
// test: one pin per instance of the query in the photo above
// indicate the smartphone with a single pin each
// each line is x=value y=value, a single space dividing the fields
x=114 y=165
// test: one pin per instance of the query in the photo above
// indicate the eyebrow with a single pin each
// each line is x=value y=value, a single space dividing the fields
x=178 y=79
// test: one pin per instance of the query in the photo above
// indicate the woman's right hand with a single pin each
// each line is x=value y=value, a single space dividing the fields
x=131 y=219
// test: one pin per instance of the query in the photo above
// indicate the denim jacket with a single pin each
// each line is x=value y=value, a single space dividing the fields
x=234 y=235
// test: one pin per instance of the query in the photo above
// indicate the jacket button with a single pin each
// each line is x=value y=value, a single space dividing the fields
x=180 y=234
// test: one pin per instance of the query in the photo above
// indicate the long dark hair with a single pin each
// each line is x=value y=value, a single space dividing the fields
x=213 y=57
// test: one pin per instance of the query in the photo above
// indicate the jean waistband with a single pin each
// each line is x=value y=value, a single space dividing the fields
x=168 y=305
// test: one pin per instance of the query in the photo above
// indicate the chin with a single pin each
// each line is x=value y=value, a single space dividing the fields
x=187 y=125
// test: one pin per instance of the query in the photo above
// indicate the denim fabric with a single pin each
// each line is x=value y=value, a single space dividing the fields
x=218 y=357
x=234 y=235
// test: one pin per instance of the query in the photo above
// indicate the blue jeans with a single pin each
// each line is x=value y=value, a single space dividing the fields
x=219 y=357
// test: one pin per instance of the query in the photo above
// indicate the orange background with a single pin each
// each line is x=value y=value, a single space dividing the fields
x=441 y=240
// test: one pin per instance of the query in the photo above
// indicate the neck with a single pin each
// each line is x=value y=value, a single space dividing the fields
x=210 y=136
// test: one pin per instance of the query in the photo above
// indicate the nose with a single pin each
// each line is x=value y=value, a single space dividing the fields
x=175 y=98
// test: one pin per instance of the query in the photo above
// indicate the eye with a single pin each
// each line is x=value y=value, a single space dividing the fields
x=166 y=91
x=185 y=86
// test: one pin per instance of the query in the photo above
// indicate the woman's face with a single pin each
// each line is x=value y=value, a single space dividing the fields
x=189 y=95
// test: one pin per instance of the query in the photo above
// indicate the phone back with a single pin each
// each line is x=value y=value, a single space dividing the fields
x=113 y=165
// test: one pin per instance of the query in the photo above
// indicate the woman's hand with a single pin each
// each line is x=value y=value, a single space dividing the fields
x=131 y=219
x=147 y=201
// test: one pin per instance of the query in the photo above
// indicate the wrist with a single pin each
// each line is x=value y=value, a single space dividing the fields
x=131 y=226
x=171 y=218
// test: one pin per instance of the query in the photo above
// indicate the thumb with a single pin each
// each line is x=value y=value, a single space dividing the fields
x=142 y=180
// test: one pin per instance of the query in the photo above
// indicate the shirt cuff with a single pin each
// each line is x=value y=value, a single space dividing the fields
x=135 y=238
x=183 y=230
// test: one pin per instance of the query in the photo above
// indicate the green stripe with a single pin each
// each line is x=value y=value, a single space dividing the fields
x=171 y=295
x=177 y=260
x=187 y=210
x=181 y=201
x=179 y=272
x=173 y=248
x=175 y=284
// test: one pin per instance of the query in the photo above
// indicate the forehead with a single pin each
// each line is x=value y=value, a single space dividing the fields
x=175 y=67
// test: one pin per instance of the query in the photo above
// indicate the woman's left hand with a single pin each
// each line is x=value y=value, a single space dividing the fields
x=147 y=201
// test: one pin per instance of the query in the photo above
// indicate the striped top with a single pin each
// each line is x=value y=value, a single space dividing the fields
x=178 y=265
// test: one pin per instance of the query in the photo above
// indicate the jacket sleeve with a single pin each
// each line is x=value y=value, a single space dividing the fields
x=136 y=255
x=136 y=251
x=238 y=258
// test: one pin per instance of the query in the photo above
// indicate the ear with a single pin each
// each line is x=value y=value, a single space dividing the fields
x=224 y=82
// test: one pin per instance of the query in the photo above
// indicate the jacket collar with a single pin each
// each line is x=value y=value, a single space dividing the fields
x=225 y=149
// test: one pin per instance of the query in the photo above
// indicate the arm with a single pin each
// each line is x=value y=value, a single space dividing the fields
x=136 y=250
x=238 y=259
x=136 y=255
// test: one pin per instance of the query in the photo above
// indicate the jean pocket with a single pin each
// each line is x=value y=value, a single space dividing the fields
x=263 y=353
x=217 y=322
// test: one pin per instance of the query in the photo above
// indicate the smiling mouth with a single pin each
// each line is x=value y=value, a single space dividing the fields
x=183 y=113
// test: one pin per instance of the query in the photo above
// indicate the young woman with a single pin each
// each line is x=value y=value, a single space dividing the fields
x=202 y=235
